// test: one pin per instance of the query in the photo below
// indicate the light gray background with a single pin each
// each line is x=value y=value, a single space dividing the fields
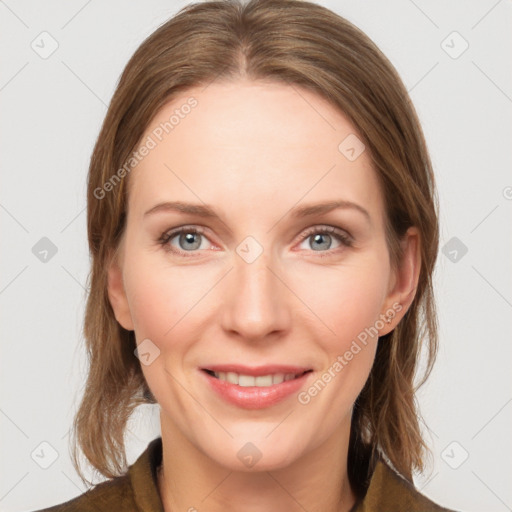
x=51 y=112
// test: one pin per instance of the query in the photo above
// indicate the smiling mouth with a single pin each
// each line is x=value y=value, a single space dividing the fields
x=261 y=381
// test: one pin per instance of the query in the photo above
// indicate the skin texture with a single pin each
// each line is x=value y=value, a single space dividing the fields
x=253 y=151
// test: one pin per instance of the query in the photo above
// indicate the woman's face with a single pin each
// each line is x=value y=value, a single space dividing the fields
x=259 y=328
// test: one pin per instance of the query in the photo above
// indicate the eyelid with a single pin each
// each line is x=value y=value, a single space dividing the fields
x=168 y=235
x=325 y=228
x=345 y=239
x=171 y=233
x=343 y=236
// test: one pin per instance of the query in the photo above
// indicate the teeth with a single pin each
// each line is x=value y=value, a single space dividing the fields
x=278 y=378
x=246 y=380
x=232 y=377
x=261 y=381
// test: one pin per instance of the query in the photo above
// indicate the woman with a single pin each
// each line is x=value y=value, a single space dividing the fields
x=263 y=229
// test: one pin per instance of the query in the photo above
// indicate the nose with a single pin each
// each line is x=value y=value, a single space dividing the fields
x=256 y=303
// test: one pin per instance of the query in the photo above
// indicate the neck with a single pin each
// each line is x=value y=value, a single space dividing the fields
x=191 y=481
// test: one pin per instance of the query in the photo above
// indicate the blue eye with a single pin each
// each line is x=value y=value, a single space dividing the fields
x=321 y=239
x=188 y=239
x=192 y=239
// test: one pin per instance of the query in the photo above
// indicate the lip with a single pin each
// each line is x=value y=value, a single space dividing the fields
x=254 y=397
x=257 y=371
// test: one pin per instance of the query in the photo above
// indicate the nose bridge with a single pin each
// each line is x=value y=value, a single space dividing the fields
x=256 y=304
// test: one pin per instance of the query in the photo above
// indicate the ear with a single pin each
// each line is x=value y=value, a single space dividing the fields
x=403 y=282
x=117 y=294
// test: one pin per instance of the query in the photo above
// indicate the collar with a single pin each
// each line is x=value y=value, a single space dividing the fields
x=143 y=478
x=387 y=489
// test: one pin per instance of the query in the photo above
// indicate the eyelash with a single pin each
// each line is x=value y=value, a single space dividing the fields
x=168 y=236
x=344 y=239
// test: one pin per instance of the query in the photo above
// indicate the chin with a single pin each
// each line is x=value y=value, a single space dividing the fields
x=254 y=453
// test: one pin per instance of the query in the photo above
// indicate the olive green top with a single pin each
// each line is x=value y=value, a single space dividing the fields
x=137 y=491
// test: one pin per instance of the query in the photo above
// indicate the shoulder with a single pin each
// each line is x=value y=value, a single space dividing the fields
x=135 y=490
x=114 y=494
x=389 y=492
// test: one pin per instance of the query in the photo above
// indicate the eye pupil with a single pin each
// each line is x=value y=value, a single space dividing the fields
x=189 y=239
x=319 y=237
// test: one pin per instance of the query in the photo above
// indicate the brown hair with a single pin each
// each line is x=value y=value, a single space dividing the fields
x=298 y=43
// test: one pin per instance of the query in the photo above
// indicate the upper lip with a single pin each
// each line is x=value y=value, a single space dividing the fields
x=256 y=371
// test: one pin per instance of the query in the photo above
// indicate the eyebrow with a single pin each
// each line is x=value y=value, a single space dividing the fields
x=326 y=207
x=206 y=211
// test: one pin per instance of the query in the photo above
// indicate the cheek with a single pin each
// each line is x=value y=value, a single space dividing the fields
x=165 y=304
x=344 y=299
x=151 y=301
x=347 y=302
x=169 y=305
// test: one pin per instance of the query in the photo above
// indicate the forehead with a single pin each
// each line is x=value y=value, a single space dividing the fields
x=251 y=142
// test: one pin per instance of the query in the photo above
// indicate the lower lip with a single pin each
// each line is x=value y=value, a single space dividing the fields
x=254 y=397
